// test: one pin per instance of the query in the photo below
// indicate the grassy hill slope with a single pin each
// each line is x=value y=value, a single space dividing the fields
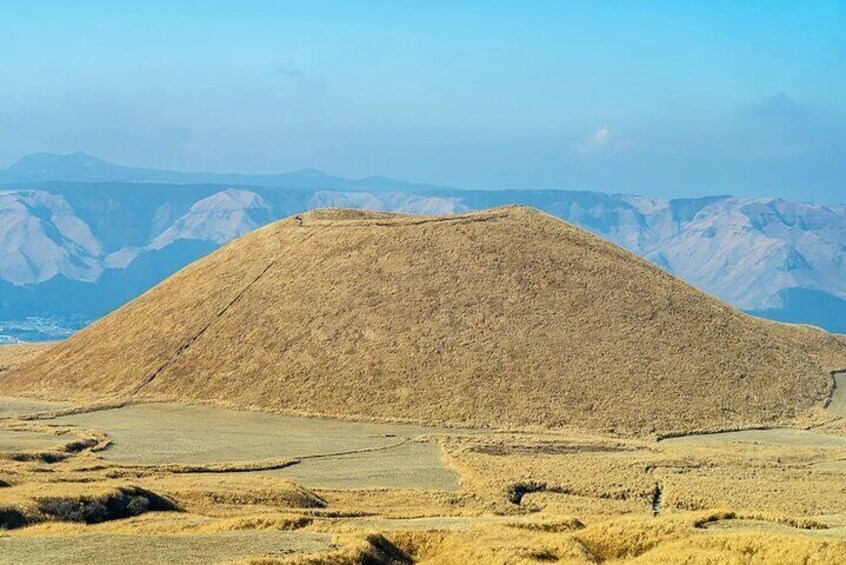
x=506 y=317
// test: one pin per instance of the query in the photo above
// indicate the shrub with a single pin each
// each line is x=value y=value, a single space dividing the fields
x=11 y=518
x=138 y=505
x=128 y=501
x=74 y=510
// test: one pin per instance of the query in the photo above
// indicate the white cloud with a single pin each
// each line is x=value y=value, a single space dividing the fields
x=600 y=141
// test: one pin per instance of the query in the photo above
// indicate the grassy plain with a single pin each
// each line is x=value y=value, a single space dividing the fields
x=22 y=406
x=512 y=497
x=412 y=465
x=13 y=441
x=172 y=433
x=128 y=549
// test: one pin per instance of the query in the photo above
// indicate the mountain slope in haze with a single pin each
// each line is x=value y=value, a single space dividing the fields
x=748 y=250
x=41 y=237
x=506 y=317
x=69 y=303
x=218 y=219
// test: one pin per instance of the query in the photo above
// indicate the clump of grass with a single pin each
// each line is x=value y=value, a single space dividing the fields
x=80 y=445
x=552 y=526
x=38 y=456
x=798 y=523
x=515 y=492
x=70 y=510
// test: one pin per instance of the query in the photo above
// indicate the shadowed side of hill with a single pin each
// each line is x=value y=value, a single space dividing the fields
x=502 y=317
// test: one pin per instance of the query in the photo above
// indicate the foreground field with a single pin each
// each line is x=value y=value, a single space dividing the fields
x=163 y=483
x=580 y=406
x=128 y=483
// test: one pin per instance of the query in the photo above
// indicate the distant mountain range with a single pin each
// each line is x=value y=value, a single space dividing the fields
x=81 y=167
x=80 y=236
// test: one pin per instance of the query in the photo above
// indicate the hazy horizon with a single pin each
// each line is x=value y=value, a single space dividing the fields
x=835 y=200
x=660 y=99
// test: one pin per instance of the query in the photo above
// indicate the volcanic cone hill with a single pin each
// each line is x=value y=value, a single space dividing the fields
x=506 y=317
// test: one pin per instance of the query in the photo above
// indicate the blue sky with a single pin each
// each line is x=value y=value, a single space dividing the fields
x=660 y=98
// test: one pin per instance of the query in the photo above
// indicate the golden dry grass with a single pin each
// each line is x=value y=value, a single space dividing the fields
x=13 y=355
x=590 y=502
x=506 y=317
x=503 y=318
